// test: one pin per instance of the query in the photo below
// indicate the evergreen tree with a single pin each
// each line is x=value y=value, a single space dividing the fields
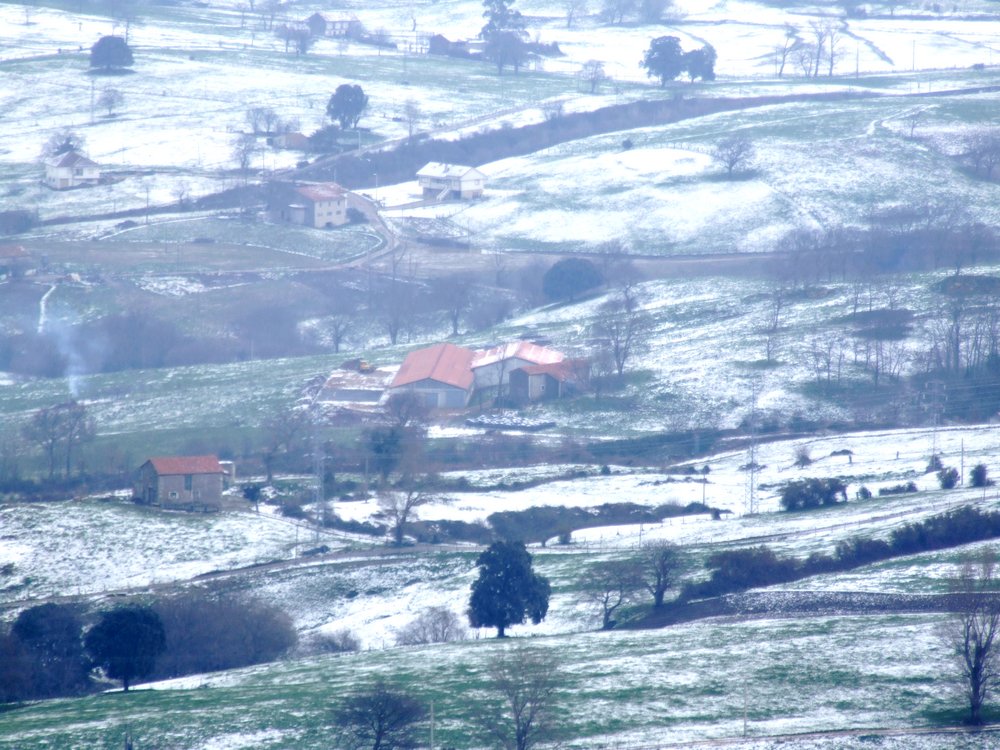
x=507 y=590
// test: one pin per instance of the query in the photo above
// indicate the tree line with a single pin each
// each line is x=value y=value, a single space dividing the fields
x=53 y=650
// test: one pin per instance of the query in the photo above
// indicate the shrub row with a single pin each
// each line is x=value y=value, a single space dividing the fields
x=738 y=570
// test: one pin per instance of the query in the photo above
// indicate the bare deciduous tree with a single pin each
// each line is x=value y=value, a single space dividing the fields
x=658 y=568
x=63 y=141
x=973 y=632
x=834 y=39
x=624 y=325
x=820 y=32
x=982 y=149
x=525 y=681
x=433 y=625
x=735 y=153
x=400 y=507
x=60 y=428
x=244 y=148
x=380 y=717
x=611 y=585
x=262 y=120
x=592 y=73
x=281 y=429
x=110 y=99
x=412 y=115
x=786 y=48
x=574 y=9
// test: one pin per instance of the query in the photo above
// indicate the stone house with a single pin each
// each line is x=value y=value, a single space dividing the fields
x=181 y=483
x=320 y=205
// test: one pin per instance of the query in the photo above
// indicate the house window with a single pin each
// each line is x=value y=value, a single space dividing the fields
x=187 y=482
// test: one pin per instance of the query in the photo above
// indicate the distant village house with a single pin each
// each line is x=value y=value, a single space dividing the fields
x=321 y=205
x=14 y=261
x=321 y=24
x=492 y=368
x=533 y=383
x=446 y=376
x=71 y=170
x=450 y=181
x=181 y=483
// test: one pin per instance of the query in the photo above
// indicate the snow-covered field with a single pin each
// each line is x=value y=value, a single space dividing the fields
x=186 y=100
x=818 y=165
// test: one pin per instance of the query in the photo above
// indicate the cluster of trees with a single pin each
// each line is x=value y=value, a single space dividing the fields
x=666 y=60
x=613 y=585
x=806 y=494
x=822 y=46
x=50 y=650
x=619 y=11
x=60 y=431
x=517 y=713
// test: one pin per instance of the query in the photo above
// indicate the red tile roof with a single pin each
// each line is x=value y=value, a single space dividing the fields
x=525 y=350
x=561 y=371
x=13 y=251
x=186 y=465
x=445 y=363
x=327 y=191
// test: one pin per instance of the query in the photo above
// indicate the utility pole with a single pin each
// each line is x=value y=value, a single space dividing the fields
x=92 y=83
x=750 y=496
x=961 y=474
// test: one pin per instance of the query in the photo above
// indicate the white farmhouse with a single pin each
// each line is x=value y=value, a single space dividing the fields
x=70 y=170
x=443 y=181
x=491 y=368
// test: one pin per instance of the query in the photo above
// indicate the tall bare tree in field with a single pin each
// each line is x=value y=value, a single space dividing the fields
x=523 y=682
x=972 y=634
x=658 y=568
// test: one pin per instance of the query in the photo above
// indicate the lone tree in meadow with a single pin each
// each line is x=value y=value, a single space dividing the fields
x=664 y=59
x=110 y=99
x=507 y=590
x=735 y=154
x=972 y=632
x=347 y=104
x=658 y=565
x=110 y=54
x=522 y=682
x=380 y=717
x=570 y=277
x=126 y=642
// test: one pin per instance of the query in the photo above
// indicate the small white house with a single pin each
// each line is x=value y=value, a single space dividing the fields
x=443 y=181
x=492 y=368
x=70 y=170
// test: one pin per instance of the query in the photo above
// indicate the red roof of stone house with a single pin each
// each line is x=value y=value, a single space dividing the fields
x=326 y=191
x=164 y=465
x=72 y=159
x=525 y=350
x=445 y=363
x=13 y=251
x=562 y=371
